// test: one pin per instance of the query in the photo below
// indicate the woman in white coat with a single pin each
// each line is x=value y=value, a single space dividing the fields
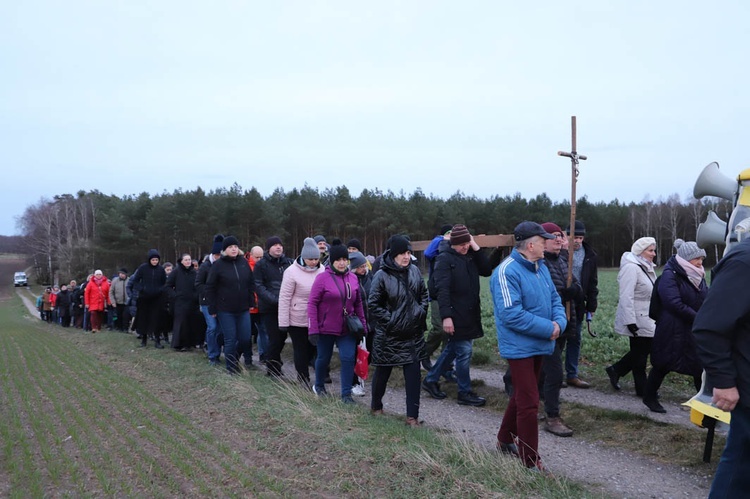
x=636 y=282
x=293 y=296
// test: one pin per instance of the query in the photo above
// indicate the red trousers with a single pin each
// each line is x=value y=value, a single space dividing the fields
x=520 y=418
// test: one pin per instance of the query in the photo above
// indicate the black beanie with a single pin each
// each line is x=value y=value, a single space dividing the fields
x=229 y=241
x=273 y=241
x=216 y=248
x=354 y=243
x=336 y=252
x=399 y=245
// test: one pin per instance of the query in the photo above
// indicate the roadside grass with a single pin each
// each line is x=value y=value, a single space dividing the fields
x=89 y=415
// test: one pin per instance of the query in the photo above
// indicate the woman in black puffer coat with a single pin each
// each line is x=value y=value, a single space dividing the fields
x=398 y=309
x=682 y=289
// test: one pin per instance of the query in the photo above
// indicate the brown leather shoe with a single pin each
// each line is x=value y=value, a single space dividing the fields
x=376 y=412
x=578 y=383
x=557 y=427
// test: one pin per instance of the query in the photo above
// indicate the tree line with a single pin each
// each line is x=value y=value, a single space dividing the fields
x=71 y=235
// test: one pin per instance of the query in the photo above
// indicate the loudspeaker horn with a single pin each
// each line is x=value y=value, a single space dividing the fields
x=712 y=231
x=711 y=182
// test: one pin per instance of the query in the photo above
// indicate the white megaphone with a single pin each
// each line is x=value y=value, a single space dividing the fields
x=713 y=183
x=712 y=231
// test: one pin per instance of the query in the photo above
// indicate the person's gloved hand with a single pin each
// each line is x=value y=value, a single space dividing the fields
x=632 y=328
x=313 y=339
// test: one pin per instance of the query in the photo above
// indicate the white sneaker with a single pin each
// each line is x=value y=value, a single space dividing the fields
x=358 y=390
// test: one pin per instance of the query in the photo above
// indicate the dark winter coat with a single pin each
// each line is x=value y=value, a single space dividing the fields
x=182 y=281
x=64 y=301
x=268 y=273
x=230 y=286
x=187 y=323
x=398 y=312
x=200 y=280
x=148 y=280
x=673 y=348
x=589 y=282
x=558 y=271
x=456 y=279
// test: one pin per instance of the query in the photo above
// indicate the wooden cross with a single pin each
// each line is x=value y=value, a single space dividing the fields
x=574 y=158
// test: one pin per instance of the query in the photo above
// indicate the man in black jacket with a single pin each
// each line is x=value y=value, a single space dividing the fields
x=456 y=283
x=585 y=271
x=722 y=336
x=268 y=273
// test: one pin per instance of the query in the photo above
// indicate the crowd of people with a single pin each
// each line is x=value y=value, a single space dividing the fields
x=332 y=295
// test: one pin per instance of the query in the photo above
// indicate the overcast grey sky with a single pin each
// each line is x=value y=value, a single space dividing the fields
x=127 y=97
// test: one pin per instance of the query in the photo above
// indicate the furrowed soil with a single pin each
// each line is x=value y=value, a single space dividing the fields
x=132 y=440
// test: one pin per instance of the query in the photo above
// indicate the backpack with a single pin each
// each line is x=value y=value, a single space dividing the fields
x=654 y=305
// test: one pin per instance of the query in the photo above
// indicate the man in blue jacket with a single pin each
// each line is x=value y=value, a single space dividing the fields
x=529 y=317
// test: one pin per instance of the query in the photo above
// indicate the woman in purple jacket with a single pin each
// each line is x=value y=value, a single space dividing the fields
x=334 y=291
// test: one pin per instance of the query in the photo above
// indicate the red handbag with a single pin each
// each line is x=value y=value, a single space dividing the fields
x=362 y=367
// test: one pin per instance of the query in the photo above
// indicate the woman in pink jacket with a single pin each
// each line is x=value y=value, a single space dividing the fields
x=96 y=298
x=334 y=291
x=293 y=297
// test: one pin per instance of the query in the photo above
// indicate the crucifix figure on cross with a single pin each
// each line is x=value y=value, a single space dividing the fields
x=574 y=159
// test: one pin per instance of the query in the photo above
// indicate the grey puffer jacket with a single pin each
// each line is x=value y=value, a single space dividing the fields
x=398 y=312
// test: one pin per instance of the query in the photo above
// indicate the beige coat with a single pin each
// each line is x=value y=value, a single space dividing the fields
x=636 y=281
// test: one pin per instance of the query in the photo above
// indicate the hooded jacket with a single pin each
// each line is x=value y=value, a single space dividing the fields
x=636 y=282
x=673 y=348
x=148 y=280
x=526 y=303
x=325 y=307
x=295 y=293
x=397 y=307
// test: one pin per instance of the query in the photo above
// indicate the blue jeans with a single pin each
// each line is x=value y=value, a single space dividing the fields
x=347 y=349
x=212 y=335
x=573 y=351
x=236 y=330
x=732 y=477
x=460 y=351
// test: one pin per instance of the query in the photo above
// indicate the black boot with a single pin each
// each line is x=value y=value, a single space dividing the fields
x=470 y=398
x=157 y=343
x=654 y=405
x=143 y=341
x=614 y=378
x=433 y=389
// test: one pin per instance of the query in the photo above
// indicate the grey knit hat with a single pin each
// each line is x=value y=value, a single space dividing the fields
x=688 y=250
x=356 y=259
x=309 y=249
